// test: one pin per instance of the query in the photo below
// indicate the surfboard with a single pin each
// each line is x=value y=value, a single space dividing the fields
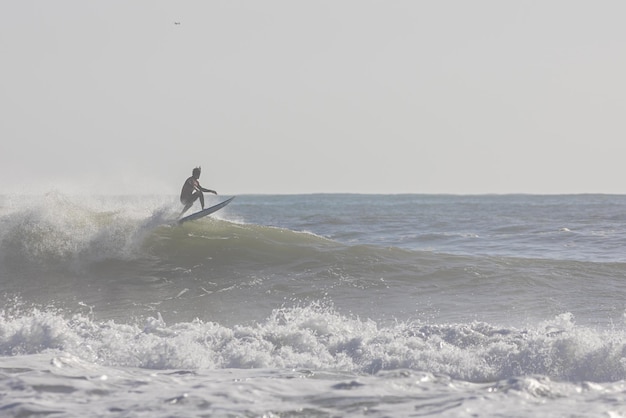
x=205 y=212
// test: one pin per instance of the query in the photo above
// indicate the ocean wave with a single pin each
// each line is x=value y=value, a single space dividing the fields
x=65 y=236
x=60 y=232
x=318 y=338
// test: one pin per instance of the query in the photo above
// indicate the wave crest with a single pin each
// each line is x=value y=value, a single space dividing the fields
x=58 y=232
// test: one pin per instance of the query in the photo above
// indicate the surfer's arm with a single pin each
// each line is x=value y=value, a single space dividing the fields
x=202 y=189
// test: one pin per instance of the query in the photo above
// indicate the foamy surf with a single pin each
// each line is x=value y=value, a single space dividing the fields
x=300 y=360
x=319 y=338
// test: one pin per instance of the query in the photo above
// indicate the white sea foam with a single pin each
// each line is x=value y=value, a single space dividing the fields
x=303 y=359
x=321 y=339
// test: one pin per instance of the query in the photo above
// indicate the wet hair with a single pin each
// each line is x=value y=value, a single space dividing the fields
x=196 y=171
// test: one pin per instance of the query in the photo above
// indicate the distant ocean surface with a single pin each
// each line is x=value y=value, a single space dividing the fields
x=333 y=305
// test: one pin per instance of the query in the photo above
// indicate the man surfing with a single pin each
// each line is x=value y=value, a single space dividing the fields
x=192 y=191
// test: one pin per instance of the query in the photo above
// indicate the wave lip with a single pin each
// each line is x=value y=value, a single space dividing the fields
x=58 y=232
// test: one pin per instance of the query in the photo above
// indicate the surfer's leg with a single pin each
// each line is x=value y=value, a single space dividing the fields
x=189 y=203
x=185 y=209
x=201 y=196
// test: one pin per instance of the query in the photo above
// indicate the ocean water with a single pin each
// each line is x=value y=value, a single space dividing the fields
x=314 y=306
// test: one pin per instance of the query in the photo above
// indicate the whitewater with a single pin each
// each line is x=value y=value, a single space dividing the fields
x=321 y=305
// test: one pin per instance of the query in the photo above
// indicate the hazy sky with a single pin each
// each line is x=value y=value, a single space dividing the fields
x=313 y=96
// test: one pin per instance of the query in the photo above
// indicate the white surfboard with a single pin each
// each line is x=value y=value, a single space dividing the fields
x=205 y=212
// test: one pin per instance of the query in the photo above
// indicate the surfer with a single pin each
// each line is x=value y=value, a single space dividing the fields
x=192 y=191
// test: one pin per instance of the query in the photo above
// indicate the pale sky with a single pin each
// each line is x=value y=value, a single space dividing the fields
x=114 y=96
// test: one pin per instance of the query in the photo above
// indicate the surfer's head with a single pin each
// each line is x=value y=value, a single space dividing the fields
x=196 y=172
